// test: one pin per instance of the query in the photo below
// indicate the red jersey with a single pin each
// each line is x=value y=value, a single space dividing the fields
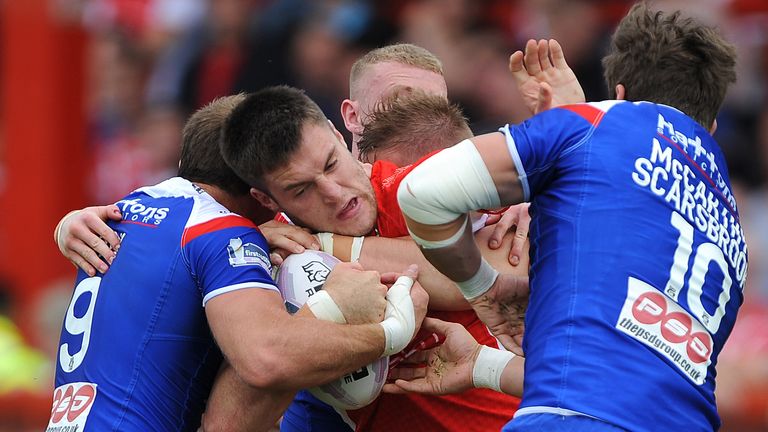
x=473 y=410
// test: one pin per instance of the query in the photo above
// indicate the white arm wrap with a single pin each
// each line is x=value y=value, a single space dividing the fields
x=481 y=282
x=447 y=185
x=357 y=248
x=399 y=318
x=326 y=242
x=489 y=367
x=324 y=308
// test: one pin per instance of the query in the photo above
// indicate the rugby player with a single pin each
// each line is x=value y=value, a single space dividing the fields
x=638 y=256
x=137 y=348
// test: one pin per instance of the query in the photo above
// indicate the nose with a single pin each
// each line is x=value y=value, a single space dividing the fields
x=330 y=190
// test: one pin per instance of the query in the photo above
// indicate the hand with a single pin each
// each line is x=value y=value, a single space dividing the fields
x=359 y=294
x=544 y=82
x=447 y=368
x=83 y=236
x=517 y=216
x=419 y=296
x=285 y=239
x=502 y=309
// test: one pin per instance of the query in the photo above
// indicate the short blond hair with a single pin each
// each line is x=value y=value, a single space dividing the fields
x=403 y=53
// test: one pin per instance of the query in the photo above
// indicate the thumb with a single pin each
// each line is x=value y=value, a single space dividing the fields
x=544 y=101
x=412 y=272
x=112 y=212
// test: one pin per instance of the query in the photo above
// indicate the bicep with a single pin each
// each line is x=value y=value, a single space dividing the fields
x=500 y=164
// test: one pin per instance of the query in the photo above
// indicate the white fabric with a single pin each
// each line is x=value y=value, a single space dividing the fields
x=489 y=367
x=324 y=308
x=399 y=317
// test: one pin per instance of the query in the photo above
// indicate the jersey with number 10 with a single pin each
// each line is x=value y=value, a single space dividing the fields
x=136 y=352
x=638 y=264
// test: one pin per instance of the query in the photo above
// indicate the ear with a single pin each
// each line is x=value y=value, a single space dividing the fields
x=264 y=199
x=713 y=128
x=350 y=112
x=621 y=92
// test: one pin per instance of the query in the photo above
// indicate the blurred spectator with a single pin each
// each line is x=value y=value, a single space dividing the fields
x=22 y=368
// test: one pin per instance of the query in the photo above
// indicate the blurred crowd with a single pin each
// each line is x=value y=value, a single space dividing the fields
x=153 y=62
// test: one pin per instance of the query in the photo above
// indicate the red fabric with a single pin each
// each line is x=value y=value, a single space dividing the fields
x=230 y=221
x=475 y=410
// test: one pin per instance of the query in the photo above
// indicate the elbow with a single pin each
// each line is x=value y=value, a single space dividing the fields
x=265 y=370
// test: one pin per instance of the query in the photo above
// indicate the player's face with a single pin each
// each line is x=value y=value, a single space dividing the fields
x=382 y=80
x=323 y=187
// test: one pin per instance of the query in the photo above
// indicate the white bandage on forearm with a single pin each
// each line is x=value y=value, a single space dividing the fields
x=399 y=317
x=326 y=242
x=324 y=308
x=481 y=282
x=357 y=248
x=447 y=185
x=489 y=367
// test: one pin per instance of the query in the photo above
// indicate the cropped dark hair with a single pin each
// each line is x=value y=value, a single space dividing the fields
x=201 y=159
x=664 y=58
x=264 y=131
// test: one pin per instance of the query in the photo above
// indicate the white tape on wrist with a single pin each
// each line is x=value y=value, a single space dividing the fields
x=481 y=282
x=357 y=248
x=489 y=367
x=326 y=242
x=324 y=308
x=399 y=317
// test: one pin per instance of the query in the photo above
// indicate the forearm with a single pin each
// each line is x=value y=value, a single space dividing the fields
x=270 y=349
x=392 y=254
x=512 y=377
x=235 y=406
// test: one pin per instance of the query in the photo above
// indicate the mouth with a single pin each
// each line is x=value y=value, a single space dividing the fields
x=349 y=210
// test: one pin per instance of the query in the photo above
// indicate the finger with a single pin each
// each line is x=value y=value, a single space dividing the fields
x=100 y=238
x=392 y=388
x=412 y=272
x=84 y=257
x=517 y=67
x=544 y=99
x=408 y=372
x=544 y=61
x=518 y=243
x=500 y=230
x=558 y=57
x=531 y=58
x=304 y=239
x=418 y=386
x=492 y=219
x=509 y=343
x=96 y=222
x=90 y=246
x=275 y=258
x=436 y=326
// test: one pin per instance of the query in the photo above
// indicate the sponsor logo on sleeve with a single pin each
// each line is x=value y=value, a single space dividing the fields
x=245 y=254
x=653 y=319
x=71 y=405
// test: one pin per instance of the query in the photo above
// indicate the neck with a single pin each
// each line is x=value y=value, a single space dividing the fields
x=244 y=205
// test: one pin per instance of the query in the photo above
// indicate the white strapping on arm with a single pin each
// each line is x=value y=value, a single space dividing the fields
x=447 y=185
x=399 y=317
x=489 y=367
x=324 y=308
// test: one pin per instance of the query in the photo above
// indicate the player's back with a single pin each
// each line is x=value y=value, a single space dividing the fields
x=638 y=260
x=136 y=352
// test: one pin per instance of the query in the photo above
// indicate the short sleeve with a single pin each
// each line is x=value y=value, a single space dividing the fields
x=537 y=144
x=229 y=259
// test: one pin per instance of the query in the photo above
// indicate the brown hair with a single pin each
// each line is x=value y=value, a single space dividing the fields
x=415 y=123
x=201 y=159
x=403 y=53
x=264 y=131
x=667 y=59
